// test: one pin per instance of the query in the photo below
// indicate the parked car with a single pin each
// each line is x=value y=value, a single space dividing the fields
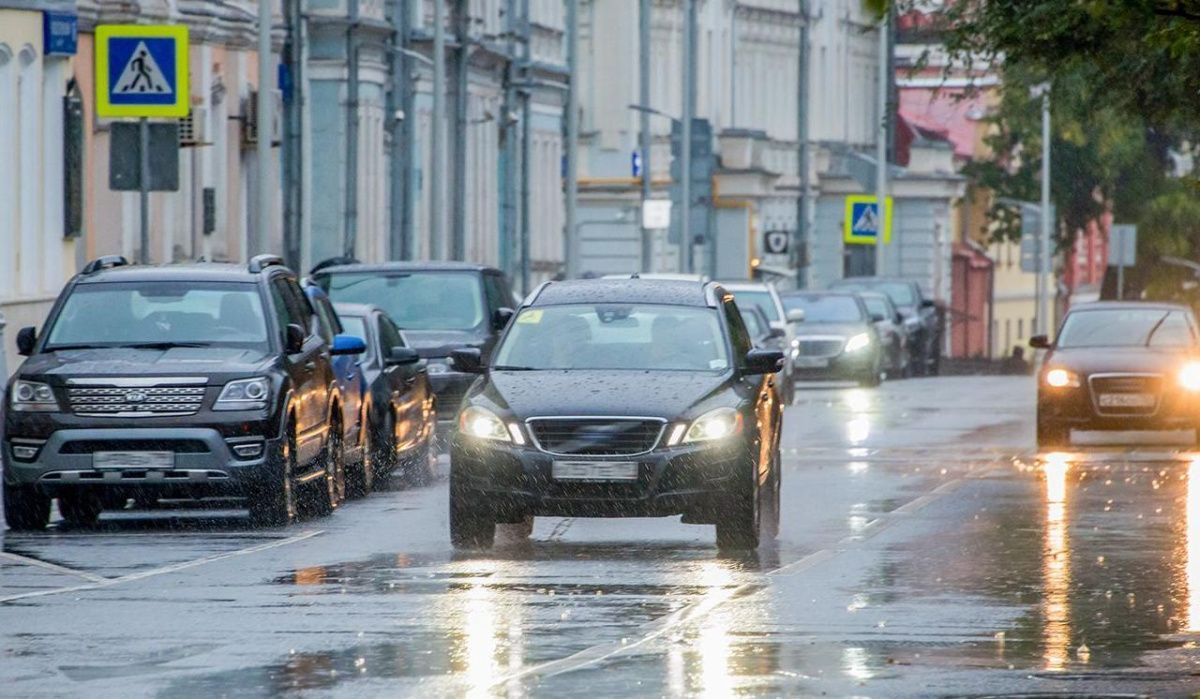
x=440 y=307
x=766 y=298
x=606 y=398
x=922 y=317
x=181 y=380
x=400 y=412
x=892 y=335
x=837 y=340
x=1126 y=366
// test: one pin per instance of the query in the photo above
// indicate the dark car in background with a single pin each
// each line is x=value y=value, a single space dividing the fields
x=618 y=399
x=440 y=307
x=922 y=317
x=1123 y=366
x=177 y=381
x=399 y=405
x=892 y=335
x=837 y=340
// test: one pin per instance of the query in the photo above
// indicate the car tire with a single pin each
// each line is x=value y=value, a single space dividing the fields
x=385 y=450
x=330 y=491
x=739 y=522
x=273 y=504
x=80 y=509
x=361 y=480
x=25 y=509
x=472 y=524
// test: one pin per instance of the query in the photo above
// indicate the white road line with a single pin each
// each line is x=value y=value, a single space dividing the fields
x=109 y=582
x=697 y=610
x=25 y=560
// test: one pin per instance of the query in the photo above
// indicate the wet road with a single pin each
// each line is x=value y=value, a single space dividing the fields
x=926 y=549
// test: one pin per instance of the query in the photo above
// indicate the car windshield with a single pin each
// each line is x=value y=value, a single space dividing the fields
x=615 y=336
x=430 y=300
x=819 y=308
x=876 y=305
x=170 y=313
x=762 y=299
x=900 y=293
x=1125 y=328
x=753 y=324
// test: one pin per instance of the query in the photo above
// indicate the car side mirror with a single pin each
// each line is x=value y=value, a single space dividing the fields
x=928 y=303
x=776 y=333
x=878 y=317
x=501 y=317
x=796 y=315
x=347 y=344
x=402 y=356
x=898 y=320
x=1039 y=342
x=26 y=339
x=468 y=360
x=294 y=339
x=762 y=361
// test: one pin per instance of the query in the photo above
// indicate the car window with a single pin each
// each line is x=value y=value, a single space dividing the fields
x=356 y=326
x=762 y=299
x=753 y=323
x=287 y=307
x=877 y=305
x=1126 y=327
x=615 y=336
x=389 y=335
x=498 y=295
x=825 y=308
x=739 y=337
x=328 y=324
x=421 y=300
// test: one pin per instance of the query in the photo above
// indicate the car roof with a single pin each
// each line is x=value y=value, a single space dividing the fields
x=655 y=291
x=824 y=292
x=1117 y=305
x=872 y=279
x=355 y=309
x=400 y=267
x=746 y=286
x=195 y=271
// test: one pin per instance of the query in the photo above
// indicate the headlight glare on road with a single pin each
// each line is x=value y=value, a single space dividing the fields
x=1189 y=376
x=714 y=425
x=859 y=342
x=1061 y=378
x=244 y=394
x=482 y=423
x=32 y=396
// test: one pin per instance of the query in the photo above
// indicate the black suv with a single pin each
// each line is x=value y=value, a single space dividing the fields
x=183 y=380
x=440 y=306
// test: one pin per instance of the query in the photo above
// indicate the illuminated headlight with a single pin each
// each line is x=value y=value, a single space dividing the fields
x=859 y=342
x=1061 y=378
x=713 y=425
x=243 y=394
x=32 y=396
x=1189 y=376
x=482 y=423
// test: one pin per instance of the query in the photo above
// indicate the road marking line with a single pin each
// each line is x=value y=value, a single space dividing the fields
x=697 y=610
x=109 y=582
x=37 y=563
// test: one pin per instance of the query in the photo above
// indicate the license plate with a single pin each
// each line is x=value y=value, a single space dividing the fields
x=134 y=459
x=1127 y=400
x=595 y=471
x=812 y=362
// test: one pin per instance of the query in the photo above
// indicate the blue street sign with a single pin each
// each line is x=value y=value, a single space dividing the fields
x=60 y=33
x=862 y=220
x=635 y=163
x=141 y=71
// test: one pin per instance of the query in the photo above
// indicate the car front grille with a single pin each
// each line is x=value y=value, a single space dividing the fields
x=1129 y=384
x=91 y=446
x=596 y=436
x=820 y=347
x=150 y=400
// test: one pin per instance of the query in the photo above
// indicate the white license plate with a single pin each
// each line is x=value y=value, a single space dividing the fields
x=812 y=362
x=134 y=459
x=1127 y=400
x=594 y=471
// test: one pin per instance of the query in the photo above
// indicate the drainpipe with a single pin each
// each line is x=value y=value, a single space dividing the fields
x=350 y=225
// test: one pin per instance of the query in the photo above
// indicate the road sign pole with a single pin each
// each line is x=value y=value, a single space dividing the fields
x=144 y=189
x=881 y=169
x=1120 y=231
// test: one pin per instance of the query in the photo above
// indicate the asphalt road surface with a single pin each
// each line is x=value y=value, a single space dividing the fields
x=926 y=549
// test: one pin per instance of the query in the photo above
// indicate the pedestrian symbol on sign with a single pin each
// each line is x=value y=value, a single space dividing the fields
x=867 y=221
x=142 y=74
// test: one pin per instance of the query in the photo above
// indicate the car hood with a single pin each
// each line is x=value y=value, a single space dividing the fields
x=440 y=343
x=213 y=362
x=1100 y=360
x=665 y=394
x=807 y=329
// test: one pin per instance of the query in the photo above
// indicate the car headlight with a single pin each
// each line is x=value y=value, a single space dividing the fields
x=1061 y=378
x=483 y=424
x=713 y=425
x=29 y=396
x=859 y=342
x=1189 y=376
x=244 y=394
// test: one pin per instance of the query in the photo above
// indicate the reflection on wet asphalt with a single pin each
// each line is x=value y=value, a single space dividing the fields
x=926 y=550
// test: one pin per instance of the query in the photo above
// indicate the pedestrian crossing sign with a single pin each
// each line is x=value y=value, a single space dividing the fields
x=862 y=222
x=141 y=70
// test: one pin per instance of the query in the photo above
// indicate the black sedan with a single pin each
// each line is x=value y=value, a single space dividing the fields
x=399 y=408
x=620 y=399
x=1119 y=366
x=837 y=340
x=892 y=334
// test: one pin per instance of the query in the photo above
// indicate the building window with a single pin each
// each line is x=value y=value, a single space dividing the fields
x=1020 y=329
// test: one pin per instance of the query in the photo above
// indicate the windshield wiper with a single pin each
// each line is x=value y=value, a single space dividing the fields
x=515 y=368
x=164 y=345
x=1150 y=335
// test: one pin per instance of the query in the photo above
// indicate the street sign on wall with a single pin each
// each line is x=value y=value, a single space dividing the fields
x=141 y=70
x=1122 y=245
x=862 y=221
x=775 y=242
x=656 y=214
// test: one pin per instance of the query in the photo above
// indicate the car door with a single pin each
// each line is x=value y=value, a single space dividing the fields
x=762 y=387
x=310 y=369
x=345 y=368
x=410 y=387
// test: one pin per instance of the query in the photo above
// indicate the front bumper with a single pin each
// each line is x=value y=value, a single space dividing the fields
x=842 y=367
x=1076 y=408
x=691 y=480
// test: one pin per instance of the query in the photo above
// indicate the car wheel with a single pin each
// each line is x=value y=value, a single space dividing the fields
x=80 y=509
x=362 y=479
x=25 y=509
x=472 y=524
x=331 y=490
x=274 y=503
x=739 y=523
x=385 y=450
